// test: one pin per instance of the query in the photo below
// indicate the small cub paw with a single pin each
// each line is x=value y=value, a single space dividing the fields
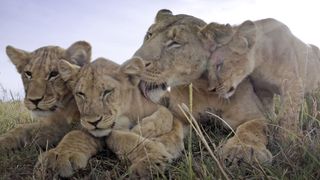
x=55 y=163
x=146 y=167
x=236 y=154
x=151 y=159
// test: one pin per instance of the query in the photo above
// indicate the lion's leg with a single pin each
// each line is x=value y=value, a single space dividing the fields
x=173 y=140
x=248 y=144
x=292 y=96
x=44 y=133
x=71 y=154
x=173 y=144
x=144 y=154
x=160 y=122
x=266 y=98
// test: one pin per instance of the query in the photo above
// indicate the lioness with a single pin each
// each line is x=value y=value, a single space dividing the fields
x=175 y=52
x=46 y=95
x=276 y=61
x=111 y=105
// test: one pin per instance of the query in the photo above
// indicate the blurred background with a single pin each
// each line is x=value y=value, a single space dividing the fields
x=116 y=29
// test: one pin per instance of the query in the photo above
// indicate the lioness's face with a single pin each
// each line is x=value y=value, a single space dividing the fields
x=99 y=94
x=173 y=52
x=45 y=91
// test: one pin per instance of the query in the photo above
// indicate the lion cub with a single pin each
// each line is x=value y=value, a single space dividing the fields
x=112 y=106
x=46 y=95
x=276 y=61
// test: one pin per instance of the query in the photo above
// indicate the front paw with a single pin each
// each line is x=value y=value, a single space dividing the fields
x=149 y=160
x=148 y=166
x=234 y=154
x=55 y=163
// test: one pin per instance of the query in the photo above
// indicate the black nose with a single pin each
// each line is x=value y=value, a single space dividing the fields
x=96 y=122
x=36 y=101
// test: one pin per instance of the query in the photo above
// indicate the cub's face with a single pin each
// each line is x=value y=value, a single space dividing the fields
x=101 y=92
x=45 y=91
x=175 y=51
x=226 y=70
x=233 y=61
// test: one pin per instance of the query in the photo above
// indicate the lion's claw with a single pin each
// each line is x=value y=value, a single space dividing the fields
x=237 y=154
x=55 y=163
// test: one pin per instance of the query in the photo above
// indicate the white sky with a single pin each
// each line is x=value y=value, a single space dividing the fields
x=116 y=28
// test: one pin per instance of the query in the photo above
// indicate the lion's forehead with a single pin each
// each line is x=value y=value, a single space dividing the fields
x=220 y=54
x=181 y=22
x=44 y=60
x=94 y=83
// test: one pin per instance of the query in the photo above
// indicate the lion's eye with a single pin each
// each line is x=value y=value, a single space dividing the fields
x=81 y=95
x=172 y=44
x=53 y=74
x=219 y=66
x=28 y=74
x=148 y=35
x=106 y=93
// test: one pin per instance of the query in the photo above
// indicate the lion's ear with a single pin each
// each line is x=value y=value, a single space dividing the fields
x=18 y=57
x=216 y=34
x=68 y=71
x=239 y=44
x=247 y=30
x=133 y=68
x=79 y=53
x=163 y=14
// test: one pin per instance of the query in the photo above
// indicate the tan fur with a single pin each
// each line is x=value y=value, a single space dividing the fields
x=277 y=63
x=175 y=53
x=72 y=153
x=46 y=95
x=111 y=104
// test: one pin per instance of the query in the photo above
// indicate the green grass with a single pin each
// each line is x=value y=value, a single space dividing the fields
x=300 y=160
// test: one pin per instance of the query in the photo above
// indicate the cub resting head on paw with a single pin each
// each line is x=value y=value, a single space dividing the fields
x=108 y=97
x=111 y=105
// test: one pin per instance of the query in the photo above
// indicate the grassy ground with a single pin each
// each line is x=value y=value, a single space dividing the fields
x=300 y=160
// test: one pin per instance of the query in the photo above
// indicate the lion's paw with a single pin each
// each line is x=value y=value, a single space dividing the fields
x=147 y=166
x=236 y=154
x=55 y=163
x=151 y=159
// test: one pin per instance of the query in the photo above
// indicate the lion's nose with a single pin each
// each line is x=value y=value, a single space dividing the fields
x=36 y=101
x=95 y=123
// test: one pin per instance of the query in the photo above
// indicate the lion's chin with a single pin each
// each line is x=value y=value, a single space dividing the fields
x=100 y=132
x=41 y=113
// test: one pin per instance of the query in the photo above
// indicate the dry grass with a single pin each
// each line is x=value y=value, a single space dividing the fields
x=300 y=160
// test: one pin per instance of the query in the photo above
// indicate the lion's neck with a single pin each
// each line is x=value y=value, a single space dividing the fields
x=137 y=106
x=69 y=110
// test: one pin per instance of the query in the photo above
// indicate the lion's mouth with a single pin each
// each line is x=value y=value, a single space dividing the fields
x=39 y=109
x=101 y=132
x=223 y=92
x=52 y=108
x=147 y=88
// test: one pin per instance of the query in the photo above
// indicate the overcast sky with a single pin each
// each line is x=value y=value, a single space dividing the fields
x=116 y=28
